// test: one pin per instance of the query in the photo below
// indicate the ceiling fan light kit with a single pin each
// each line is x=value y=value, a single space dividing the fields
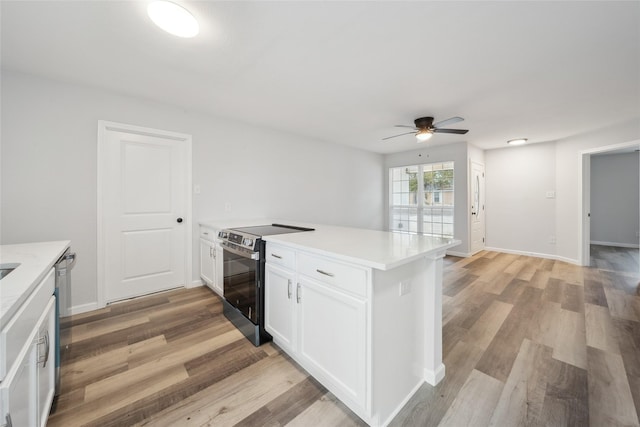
x=423 y=135
x=425 y=128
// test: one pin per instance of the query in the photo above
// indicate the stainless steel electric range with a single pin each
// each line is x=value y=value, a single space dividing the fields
x=243 y=271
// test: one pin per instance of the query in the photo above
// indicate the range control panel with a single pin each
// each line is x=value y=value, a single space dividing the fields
x=243 y=240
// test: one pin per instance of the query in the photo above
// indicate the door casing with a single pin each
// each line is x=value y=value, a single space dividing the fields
x=479 y=209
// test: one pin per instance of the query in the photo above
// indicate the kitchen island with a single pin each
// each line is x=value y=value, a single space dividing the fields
x=361 y=310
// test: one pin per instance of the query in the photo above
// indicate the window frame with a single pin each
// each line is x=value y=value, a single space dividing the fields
x=421 y=209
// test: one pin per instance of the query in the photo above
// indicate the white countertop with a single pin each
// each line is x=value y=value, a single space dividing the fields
x=381 y=250
x=35 y=259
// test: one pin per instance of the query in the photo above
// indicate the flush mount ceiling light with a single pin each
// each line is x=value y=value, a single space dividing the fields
x=423 y=135
x=519 y=141
x=173 y=18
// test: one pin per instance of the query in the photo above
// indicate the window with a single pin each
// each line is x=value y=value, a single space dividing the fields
x=421 y=199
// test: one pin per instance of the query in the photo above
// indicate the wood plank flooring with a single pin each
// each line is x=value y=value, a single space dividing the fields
x=527 y=341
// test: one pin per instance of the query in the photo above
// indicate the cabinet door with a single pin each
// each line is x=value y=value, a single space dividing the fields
x=18 y=391
x=216 y=263
x=45 y=364
x=332 y=338
x=279 y=305
x=207 y=262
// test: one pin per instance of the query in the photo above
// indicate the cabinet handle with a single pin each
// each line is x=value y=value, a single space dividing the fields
x=214 y=252
x=289 y=288
x=298 y=296
x=44 y=358
x=47 y=348
x=276 y=256
x=325 y=273
x=205 y=233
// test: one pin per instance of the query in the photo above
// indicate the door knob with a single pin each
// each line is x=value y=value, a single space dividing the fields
x=179 y=220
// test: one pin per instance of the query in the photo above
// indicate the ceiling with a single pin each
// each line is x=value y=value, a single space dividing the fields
x=347 y=72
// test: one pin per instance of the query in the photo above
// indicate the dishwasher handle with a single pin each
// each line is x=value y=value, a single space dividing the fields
x=71 y=259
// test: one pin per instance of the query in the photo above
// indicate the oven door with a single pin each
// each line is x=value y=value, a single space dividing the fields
x=241 y=272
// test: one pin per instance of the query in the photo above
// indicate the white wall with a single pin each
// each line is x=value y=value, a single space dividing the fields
x=520 y=217
x=614 y=199
x=440 y=153
x=568 y=182
x=48 y=188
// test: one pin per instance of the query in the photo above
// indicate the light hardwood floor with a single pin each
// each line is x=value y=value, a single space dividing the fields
x=527 y=341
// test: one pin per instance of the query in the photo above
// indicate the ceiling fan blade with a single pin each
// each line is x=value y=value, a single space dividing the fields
x=450 y=121
x=394 y=136
x=457 y=131
x=405 y=126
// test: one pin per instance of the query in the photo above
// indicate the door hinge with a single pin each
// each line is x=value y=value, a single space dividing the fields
x=483 y=240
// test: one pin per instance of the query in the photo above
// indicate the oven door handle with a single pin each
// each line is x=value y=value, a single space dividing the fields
x=247 y=254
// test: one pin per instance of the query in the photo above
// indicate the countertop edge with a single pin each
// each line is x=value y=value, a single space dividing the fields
x=362 y=261
x=6 y=316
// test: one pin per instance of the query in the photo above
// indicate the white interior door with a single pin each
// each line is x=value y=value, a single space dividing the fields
x=145 y=211
x=477 y=207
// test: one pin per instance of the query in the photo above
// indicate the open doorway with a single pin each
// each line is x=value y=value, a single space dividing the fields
x=611 y=208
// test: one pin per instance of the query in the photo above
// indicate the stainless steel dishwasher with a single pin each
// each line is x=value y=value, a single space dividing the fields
x=63 y=282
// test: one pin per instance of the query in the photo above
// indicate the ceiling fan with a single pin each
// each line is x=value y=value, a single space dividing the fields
x=425 y=128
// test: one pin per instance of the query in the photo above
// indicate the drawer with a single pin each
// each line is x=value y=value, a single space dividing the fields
x=344 y=276
x=280 y=255
x=13 y=336
x=208 y=234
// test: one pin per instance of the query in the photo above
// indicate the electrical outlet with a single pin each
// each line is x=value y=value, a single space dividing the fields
x=227 y=207
x=551 y=194
x=196 y=189
x=405 y=287
x=552 y=240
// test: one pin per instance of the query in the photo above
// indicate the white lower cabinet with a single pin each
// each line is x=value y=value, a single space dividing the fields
x=209 y=252
x=207 y=262
x=27 y=352
x=321 y=326
x=332 y=338
x=18 y=395
x=27 y=391
x=45 y=362
x=280 y=315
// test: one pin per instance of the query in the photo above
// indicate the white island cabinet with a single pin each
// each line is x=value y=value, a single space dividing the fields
x=28 y=333
x=360 y=310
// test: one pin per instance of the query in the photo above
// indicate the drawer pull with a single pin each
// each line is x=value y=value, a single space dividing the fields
x=324 y=272
x=276 y=256
x=289 y=288
x=205 y=233
x=298 y=296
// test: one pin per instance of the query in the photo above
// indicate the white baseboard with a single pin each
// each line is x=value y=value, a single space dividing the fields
x=82 y=308
x=196 y=283
x=619 y=245
x=433 y=377
x=534 y=254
